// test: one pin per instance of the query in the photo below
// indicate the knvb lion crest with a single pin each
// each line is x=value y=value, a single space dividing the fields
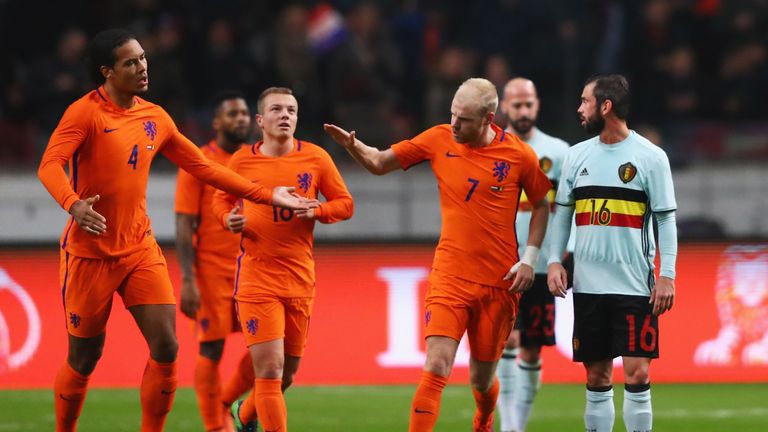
x=627 y=172
x=545 y=164
x=252 y=325
x=500 y=170
x=305 y=181
x=741 y=295
x=150 y=128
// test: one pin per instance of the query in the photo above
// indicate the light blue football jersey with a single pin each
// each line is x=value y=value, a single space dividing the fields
x=550 y=151
x=614 y=189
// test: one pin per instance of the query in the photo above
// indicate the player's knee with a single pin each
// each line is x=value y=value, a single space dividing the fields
x=269 y=368
x=637 y=375
x=513 y=341
x=212 y=350
x=287 y=381
x=164 y=351
x=599 y=377
x=439 y=365
x=84 y=361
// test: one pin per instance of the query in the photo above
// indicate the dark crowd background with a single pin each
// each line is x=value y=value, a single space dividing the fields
x=698 y=69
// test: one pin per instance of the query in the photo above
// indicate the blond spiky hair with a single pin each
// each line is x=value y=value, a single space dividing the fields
x=482 y=92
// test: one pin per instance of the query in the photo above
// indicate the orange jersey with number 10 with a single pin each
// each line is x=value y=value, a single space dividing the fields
x=277 y=254
x=479 y=193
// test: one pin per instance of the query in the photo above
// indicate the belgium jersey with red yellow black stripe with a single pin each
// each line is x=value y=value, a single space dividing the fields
x=614 y=189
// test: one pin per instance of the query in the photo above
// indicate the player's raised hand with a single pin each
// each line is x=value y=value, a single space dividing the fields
x=521 y=276
x=235 y=220
x=341 y=136
x=286 y=197
x=87 y=218
x=190 y=298
x=663 y=295
x=557 y=279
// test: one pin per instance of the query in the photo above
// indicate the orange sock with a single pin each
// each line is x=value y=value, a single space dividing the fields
x=69 y=390
x=208 y=390
x=486 y=402
x=248 y=409
x=426 y=402
x=241 y=381
x=158 y=387
x=270 y=404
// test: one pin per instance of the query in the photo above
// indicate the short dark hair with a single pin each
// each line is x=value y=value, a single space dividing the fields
x=224 y=95
x=267 y=92
x=101 y=51
x=612 y=87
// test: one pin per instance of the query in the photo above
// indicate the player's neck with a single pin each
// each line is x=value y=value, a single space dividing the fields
x=486 y=138
x=121 y=99
x=227 y=145
x=615 y=131
x=276 y=147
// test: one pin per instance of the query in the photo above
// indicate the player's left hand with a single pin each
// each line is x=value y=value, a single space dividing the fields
x=305 y=214
x=663 y=295
x=286 y=197
x=521 y=276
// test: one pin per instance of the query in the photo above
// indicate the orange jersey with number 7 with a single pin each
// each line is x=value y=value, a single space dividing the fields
x=109 y=151
x=277 y=245
x=479 y=193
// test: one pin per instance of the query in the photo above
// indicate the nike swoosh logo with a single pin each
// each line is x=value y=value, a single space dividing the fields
x=420 y=411
x=68 y=399
x=449 y=154
x=108 y=130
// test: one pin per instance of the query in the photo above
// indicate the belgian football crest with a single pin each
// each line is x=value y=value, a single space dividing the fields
x=546 y=164
x=627 y=172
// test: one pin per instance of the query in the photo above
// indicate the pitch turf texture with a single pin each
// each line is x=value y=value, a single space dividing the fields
x=679 y=408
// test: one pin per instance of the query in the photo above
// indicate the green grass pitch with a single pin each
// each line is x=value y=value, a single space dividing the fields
x=679 y=408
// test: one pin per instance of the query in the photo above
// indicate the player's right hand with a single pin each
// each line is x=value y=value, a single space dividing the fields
x=190 y=298
x=235 y=220
x=341 y=136
x=557 y=279
x=87 y=218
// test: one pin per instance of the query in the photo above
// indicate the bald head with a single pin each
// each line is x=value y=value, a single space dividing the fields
x=521 y=106
x=519 y=87
x=478 y=94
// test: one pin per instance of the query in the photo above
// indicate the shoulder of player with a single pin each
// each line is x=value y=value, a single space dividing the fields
x=439 y=131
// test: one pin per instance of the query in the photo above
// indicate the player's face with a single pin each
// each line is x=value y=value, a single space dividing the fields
x=591 y=119
x=467 y=124
x=281 y=112
x=522 y=109
x=129 y=73
x=233 y=120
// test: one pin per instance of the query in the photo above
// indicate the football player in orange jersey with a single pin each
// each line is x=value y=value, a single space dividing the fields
x=207 y=255
x=275 y=279
x=481 y=171
x=109 y=138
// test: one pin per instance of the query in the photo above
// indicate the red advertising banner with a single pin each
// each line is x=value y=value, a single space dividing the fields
x=367 y=325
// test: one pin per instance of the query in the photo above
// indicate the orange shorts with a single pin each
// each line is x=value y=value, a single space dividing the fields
x=486 y=313
x=269 y=317
x=89 y=284
x=216 y=317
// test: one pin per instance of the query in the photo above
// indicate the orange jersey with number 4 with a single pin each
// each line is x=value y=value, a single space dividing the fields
x=109 y=150
x=479 y=192
x=277 y=246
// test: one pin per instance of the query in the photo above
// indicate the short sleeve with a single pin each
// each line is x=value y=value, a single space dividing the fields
x=420 y=148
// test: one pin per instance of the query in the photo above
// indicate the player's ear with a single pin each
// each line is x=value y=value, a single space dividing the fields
x=606 y=107
x=490 y=116
x=216 y=123
x=259 y=119
x=106 y=71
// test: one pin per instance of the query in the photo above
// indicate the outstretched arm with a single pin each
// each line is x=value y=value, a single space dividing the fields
x=374 y=160
x=187 y=156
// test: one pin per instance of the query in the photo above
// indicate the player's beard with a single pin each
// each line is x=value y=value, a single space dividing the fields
x=595 y=125
x=234 y=136
x=523 y=125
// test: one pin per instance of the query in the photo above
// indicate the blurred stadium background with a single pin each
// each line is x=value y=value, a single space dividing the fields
x=699 y=75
